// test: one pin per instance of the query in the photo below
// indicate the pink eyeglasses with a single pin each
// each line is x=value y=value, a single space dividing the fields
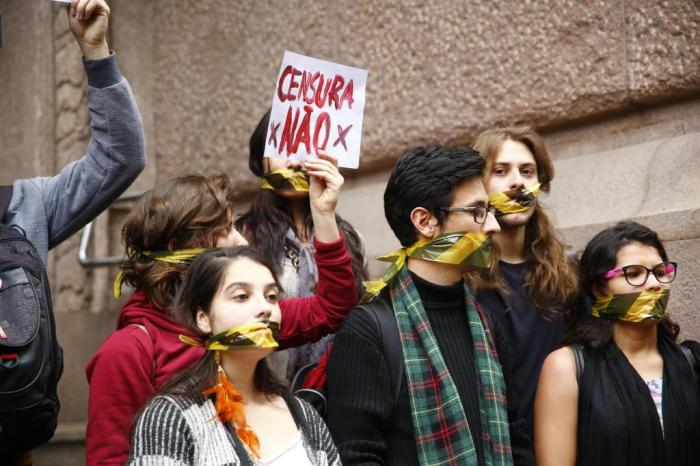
x=637 y=275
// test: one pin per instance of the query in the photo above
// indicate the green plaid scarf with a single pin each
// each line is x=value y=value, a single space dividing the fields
x=442 y=432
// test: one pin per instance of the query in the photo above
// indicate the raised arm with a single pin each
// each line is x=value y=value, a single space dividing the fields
x=324 y=189
x=308 y=319
x=556 y=410
x=116 y=151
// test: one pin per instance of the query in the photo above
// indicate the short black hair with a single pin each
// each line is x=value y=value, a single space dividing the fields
x=257 y=145
x=600 y=254
x=426 y=177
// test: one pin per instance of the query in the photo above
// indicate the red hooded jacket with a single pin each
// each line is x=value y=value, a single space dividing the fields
x=145 y=351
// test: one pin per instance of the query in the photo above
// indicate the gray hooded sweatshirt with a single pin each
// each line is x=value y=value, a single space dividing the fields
x=50 y=209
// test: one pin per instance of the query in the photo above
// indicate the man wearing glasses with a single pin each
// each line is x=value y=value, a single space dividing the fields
x=447 y=405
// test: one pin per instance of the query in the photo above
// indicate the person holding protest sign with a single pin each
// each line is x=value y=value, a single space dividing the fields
x=48 y=210
x=427 y=385
x=228 y=408
x=624 y=392
x=281 y=223
x=168 y=227
x=533 y=283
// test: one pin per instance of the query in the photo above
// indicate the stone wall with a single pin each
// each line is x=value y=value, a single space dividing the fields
x=613 y=86
x=438 y=71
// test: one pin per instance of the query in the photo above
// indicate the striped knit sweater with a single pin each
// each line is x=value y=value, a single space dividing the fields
x=176 y=430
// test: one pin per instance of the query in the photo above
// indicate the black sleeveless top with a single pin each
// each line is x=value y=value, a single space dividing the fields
x=618 y=424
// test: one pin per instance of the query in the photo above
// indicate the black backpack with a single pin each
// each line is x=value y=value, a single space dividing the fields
x=383 y=316
x=31 y=361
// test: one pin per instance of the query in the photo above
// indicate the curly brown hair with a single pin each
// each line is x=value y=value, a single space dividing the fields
x=182 y=213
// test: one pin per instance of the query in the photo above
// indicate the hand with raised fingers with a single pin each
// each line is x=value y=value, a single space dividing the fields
x=325 y=182
x=88 y=20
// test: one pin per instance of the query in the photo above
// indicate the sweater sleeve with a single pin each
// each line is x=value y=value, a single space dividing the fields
x=359 y=398
x=121 y=381
x=115 y=155
x=162 y=436
x=319 y=436
x=520 y=441
x=310 y=318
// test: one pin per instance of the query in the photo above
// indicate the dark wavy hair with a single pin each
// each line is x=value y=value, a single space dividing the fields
x=600 y=256
x=182 y=213
x=552 y=281
x=426 y=177
x=203 y=280
x=270 y=216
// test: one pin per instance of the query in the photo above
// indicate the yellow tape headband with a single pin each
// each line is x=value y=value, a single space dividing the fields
x=180 y=256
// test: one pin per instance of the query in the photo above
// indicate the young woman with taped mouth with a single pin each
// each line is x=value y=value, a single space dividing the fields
x=625 y=392
x=280 y=223
x=167 y=228
x=228 y=407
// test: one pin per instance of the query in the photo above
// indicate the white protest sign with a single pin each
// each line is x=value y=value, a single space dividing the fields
x=317 y=105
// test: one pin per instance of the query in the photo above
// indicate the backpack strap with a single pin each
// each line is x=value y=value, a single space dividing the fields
x=689 y=356
x=577 y=351
x=5 y=196
x=383 y=315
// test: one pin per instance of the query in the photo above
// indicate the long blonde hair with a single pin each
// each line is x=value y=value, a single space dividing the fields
x=552 y=281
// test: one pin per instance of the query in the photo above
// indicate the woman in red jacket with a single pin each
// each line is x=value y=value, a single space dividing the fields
x=169 y=226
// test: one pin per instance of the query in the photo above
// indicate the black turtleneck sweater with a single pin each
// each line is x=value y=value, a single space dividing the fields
x=368 y=425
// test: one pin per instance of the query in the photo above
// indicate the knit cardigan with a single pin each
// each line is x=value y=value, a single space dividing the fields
x=177 y=430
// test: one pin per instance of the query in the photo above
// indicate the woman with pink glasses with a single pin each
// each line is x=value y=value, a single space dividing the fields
x=624 y=392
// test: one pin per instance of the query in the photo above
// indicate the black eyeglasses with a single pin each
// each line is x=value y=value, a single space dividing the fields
x=480 y=212
x=637 y=275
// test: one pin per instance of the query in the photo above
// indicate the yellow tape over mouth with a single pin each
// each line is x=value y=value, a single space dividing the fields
x=633 y=307
x=248 y=336
x=470 y=248
x=285 y=179
x=515 y=201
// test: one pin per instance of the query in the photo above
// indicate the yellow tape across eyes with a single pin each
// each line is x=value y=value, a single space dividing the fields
x=180 y=256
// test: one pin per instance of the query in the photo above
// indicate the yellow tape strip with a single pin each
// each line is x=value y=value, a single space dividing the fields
x=633 y=307
x=469 y=248
x=180 y=256
x=285 y=179
x=255 y=335
x=505 y=203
